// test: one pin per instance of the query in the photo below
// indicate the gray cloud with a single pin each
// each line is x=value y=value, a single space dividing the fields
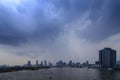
x=14 y=30
x=105 y=21
x=43 y=21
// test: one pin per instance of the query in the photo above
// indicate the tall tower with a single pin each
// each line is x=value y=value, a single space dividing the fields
x=37 y=63
x=107 y=58
x=45 y=63
x=29 y=64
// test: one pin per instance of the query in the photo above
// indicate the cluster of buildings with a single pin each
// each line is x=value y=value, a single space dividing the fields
x=107 y=59
x=58 y=64
x=71 y=64
x=41 y=64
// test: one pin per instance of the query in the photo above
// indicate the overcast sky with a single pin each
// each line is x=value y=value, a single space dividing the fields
x=57 y=29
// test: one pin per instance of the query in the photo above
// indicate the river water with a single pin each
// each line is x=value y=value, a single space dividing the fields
x=62 y=74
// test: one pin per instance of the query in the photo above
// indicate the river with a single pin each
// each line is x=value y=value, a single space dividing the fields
x=62 y=74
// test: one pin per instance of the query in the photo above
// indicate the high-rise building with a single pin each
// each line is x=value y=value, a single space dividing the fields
x=70 y=63
x=45 y=63
x=41 y=64
x=37 y=63
x=87 y=63
x=29 y=64
x=107 y=58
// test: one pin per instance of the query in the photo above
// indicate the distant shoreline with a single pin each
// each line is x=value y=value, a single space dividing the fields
x=15 y=69
x=18 y=68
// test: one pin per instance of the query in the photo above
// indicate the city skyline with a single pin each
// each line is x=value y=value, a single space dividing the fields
x=107 y=57
x=57 y=30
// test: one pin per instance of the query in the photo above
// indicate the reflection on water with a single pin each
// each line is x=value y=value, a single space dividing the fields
x=62 y=74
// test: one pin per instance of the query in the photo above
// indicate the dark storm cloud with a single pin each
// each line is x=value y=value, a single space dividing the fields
x=9 y=29
x=104 y=15
x=72 y=9
x=8 y=35
x=48 y=26
x=105 y=21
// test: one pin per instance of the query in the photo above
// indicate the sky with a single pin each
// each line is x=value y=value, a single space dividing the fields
x=57 y=30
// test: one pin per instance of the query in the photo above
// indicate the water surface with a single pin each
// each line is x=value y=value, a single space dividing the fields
x=62 y=74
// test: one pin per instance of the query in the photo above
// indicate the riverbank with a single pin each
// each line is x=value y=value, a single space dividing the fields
x=19 y=68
